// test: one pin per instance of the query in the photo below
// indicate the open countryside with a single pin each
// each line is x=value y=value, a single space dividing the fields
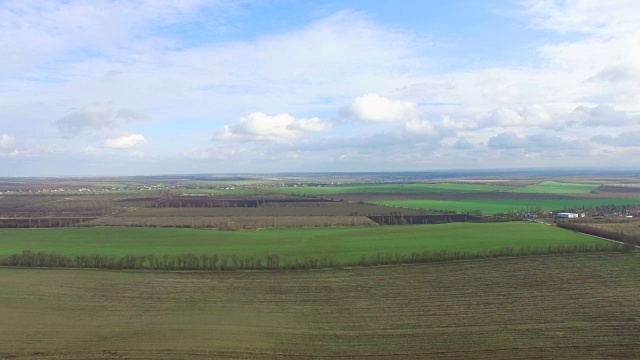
x=320 y=180
x=180 y=268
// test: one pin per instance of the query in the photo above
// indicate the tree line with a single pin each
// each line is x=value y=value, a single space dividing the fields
x=207 y=262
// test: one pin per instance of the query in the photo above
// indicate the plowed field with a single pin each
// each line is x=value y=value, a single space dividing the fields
x=549 y=307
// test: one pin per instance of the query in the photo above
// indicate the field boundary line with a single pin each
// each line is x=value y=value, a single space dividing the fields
x=603 y=238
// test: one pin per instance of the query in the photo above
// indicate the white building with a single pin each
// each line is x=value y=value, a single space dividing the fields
x=567 y=215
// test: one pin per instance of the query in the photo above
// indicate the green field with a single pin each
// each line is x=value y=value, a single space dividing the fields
x=234 y=191
x=489 y=207
x=549 y=307
x=342 y=243
x=389 y=188
x=555 y=187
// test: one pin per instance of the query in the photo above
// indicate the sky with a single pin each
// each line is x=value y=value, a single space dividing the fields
x=145 y=87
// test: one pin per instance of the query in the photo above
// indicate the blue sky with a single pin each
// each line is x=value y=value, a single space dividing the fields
x=215 y=86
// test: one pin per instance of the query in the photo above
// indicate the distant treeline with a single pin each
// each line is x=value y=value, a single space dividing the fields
x=42 y=222
x=275 y=262
x=213 y=202
x=423 y=219
x=626 y=238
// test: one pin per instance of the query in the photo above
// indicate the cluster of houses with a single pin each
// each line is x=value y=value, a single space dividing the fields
x=595 y=213
x=603 y=212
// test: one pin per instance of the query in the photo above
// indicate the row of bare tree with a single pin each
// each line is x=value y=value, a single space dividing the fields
x=207 y=262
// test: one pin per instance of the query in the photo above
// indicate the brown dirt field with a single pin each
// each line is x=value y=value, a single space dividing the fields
x=327 y=209
x=631 y=227
x=548 y=307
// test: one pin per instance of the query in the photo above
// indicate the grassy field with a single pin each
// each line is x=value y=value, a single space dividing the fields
x=552 y=307
x=236 y=222
x=389 y=188
x=342 y=243
x=489 y=207
x=555 y=187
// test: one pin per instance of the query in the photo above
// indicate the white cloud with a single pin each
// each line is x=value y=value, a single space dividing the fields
x=30 y=149
x=35 y=32
x=606 y=18
x=533 y=143
x=463 y=144
x=6 y=141
x=260 y=127
x=310 y=125
x=543 y=117
x=528 y=116
x=372 y=107
x=94 y=117
x=421 y=128
x=617 y=73
x=127 y=60
x=601 y=115
x=626 y=139
x=125 y=142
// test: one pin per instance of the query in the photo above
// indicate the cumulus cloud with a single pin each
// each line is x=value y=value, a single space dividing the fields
x=626 y=139
x=532 y=116
x=507 y=140
x=260 y=127
x=416 y=130
x=533 y=143
x=601 y=115
x=539 y=116
x=125 y=142
x=454 y=124
x=372 y=107
x=420 y=127
x=463 y=144
x=31 y=150
x=617 y=73
x=6 y=141
x=94 y=117
x=310 y=125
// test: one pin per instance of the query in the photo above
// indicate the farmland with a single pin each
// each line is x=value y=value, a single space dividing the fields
x=551 y=307
x=391 y=188
x=344 y=244
x=91 y=269
x=555 y=187
x=506 y=205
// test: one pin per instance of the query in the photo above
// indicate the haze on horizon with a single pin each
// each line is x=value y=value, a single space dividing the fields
x=215 y=86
